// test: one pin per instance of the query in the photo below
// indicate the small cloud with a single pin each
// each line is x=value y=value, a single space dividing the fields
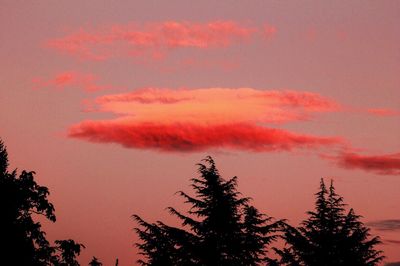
x=383 y=112
x=392 y=241
x=68 y=79
x=393 y=263
x=269 y=31
x=387 y=164
x=386 y=225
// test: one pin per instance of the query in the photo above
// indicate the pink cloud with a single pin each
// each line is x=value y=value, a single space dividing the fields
x=269 y=31
x=216 y=105
x=387 y=164
x=191 y=137
x=208 y=118
x=153 y=39
x=383 y=112
x=61 y=81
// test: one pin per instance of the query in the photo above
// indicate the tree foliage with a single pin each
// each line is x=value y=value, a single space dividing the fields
x=95 y=262
x=23 y=242
x=330 y=236
x=220 y=227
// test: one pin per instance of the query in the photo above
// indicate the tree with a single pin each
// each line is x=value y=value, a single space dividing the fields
x=219 y=225
x=69 y=250
x=95 y=262
x=22 y=240
x=259 y=232
x=330 y=236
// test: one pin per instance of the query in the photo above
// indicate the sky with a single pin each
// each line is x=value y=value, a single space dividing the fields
x=114 y=103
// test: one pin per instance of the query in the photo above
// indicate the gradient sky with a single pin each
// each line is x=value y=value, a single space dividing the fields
x=113 y=104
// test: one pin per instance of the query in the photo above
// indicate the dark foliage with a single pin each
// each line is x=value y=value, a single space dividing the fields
x=222 y=228
x=330 y=236
x=95 y=262
x=22 y=240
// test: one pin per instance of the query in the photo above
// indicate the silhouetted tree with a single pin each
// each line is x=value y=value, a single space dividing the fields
x=157 y=248
x=95 y=262
x=69 y=250
x=258 y=234
x=330 y=236
x=220 y=227
x=22 y=241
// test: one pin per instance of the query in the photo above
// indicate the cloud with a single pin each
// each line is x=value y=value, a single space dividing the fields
x=393 y=263
x=216 y=105
x=386 y=225
x=190 y=137
x=269 y=31
x=152 y=39
x=383 y=112
x=387 y=164
x=67 y=79
x=208 y=118
x=392 y=241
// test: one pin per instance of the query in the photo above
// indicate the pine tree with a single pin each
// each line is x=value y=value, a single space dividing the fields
x=95 y=262
x=219 y=227
x=330 y=236
x=217 y=204
x=258 y=234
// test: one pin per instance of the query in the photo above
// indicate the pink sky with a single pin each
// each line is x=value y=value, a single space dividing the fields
x=113 y=104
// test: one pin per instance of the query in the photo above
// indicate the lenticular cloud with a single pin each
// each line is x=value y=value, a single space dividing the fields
x=203 y=119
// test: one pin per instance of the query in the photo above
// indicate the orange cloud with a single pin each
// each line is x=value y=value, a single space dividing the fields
x=387 y=164
x=152 y=39
x=209 y=118
x=189 y=137
x=87 y=82
x=215 y=105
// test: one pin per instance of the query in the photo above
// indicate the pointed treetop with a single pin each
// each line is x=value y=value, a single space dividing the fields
x=3 y=158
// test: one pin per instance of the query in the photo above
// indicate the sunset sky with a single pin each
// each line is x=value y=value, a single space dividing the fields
x=113 y=103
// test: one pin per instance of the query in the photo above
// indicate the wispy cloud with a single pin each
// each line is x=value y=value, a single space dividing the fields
x=69 y=79
x=393 y=263
x=152 y=39
x=393 y=241
x=386 y=164
x=383 y=112
x=386 y=225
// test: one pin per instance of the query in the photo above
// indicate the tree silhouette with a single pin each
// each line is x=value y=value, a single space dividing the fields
x=330 y=236
x=69 y=250
x=258 y=233
x=22 y=240
x=95 y=262
x=220 y=227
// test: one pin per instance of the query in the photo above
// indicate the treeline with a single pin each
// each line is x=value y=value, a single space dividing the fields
x=221 y=228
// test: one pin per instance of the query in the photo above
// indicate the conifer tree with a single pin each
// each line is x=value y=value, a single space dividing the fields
x=330 y=236
x=219 y=227
x=259 y=231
